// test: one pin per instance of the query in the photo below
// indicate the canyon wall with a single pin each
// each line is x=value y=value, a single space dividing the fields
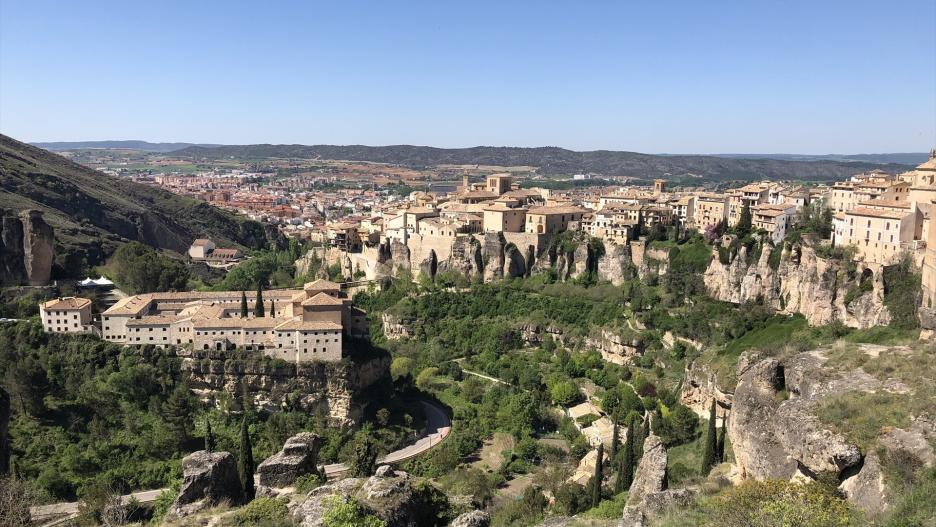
x=335 y=390
x=802 y=282
x=26 y=249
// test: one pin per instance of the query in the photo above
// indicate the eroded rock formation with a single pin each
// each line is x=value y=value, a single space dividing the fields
x=208 y=479
x=330 y=389
x=298 y=457
x=26 y=248
x=393 y=496
x=802 y=282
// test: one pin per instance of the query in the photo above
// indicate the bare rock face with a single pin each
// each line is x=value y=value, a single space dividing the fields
x=395 y=327
x=650 y=476
x=430 y=265
x=298 y=457
x=866 y=488
x=208 y=479
x=465 y=257
x=581 y=261
x=616 y=264
x=773 y=437
x=492 y=255
x=514 y=264
x=700 y=388
x=472 y=519
x=614 y=348
x=632 y=517
x=333 y=389
x=26 y=248
x=803 y=282
x=393 y=496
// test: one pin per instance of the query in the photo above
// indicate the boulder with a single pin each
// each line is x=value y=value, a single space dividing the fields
x=472 y=519
x=393 y=496
x=208 y=479
x=297 y=458
x=866 y=488
x=632 y=517
x=650 y=476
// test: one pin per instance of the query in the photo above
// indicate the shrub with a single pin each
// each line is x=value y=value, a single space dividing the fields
x=264 y=512
x=308 y=482
x=770 y=503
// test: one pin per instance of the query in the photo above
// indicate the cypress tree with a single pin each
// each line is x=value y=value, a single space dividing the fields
x=744 y=221
x=708 y=452
x=596 y=480
x=625 y=474
x=209 y=436
x=612 y=456
x=272 y=308
x=243 y=305
x=644 y=434
x=245 y=463
x=258 y=307
x=720 y=447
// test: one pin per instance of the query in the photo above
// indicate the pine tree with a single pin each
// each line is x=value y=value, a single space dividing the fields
x=243 y=305
x=177 y=411
x=625 y=474
x=258 y=307
x=596 y=481
x=245 y=463
x=209 y=436
x=708 y=452
x=720 y=447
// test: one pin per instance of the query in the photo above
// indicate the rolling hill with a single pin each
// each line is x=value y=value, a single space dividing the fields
x=92 y=213
x=554 y=161
x=144 y=146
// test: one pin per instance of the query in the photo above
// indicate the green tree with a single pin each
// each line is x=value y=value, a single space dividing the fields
x=625 y=475
x=177 y=411
x=243 y=310
x=272 y=308
x=720 y=447
x=363 y=456
x=564 y=393
x=209 y=436
x=743 y=228
x=598 y=477
x=709 y=449
x=612 y=455
x=258 y=306
x=245 y=462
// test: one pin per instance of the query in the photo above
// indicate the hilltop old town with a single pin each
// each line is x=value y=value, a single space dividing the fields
x=883 y=216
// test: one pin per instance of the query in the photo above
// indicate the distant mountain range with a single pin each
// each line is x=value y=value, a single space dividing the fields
x=145 y=146
x=904 y=158
x=554 y=161
x=92 y=213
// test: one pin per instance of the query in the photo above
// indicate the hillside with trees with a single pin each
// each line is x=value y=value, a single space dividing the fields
x=93 y=213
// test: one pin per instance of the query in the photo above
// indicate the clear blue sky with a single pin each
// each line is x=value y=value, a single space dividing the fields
x=678 y=77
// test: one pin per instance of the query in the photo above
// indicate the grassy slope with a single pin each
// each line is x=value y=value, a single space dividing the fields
x=92 y=212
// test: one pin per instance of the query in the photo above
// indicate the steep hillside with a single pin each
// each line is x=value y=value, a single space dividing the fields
x=92 y=213
x=557 y=161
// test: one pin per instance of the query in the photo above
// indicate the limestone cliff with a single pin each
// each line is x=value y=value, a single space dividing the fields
x=776 y=432
x=26 y=249
x=334 y=390
x=801 y=281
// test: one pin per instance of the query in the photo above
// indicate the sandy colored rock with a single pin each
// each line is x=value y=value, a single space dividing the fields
x=208 y=479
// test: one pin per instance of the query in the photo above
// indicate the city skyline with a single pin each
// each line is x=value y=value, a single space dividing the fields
x=783 y=77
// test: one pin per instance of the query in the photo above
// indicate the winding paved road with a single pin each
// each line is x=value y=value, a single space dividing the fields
x=438 y=426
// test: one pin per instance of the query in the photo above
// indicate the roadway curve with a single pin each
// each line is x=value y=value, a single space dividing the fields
x=438 y=426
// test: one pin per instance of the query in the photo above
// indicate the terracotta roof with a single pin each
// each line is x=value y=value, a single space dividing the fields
x=323 y=299
x=308 y=325
x=874 y=213
x=562 y=209
x=154 y=320
x=67 y=302
x=321 y=285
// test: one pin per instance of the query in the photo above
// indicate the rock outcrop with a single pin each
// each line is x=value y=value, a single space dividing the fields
x=26 y=249
x=329 y=389
x=802 y=282
x=700 y=387
x=208 y=479
x=615 y=348
x=650 y=476
x=616 y=265
x=472 y=519
x=298 y=457
x=393 y=496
